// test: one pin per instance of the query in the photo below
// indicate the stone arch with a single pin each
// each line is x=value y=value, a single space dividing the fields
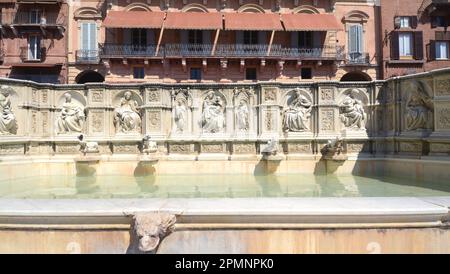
x=356 y=93
x=306 y=9
x=251 y=8
x=134 y=95
x=356 y=76
x=137 y=7
x=87 y=13
x=194 y=8
x=356 y=16
x=288 y=96
x=89 y=76
x=77 y=98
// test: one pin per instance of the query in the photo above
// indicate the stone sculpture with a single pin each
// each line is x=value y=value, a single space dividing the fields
x=149 y=146
x=180 y=114
x=296 y=116
x=148 y=229
x=352 y=113
x=71 y=118
x=417 y=109
x=87 y=147
x=333 y=150
x=213 y=120
x=126 y=117
x=8 y=122
x=242 y=116
x=271 y=148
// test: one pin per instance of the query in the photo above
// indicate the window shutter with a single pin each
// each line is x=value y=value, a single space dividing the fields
x=352 y=46
x=184 y=36
x=84 y=36
x=432 y=50
x=397 y=22
x=150 y=37
x=206 y=37
x=418 y=45
x=92 y=36
x=239 y=37
x=294 y=39
x=359 y=40
x=262 y=37
x=413 y=22
x=395 y=46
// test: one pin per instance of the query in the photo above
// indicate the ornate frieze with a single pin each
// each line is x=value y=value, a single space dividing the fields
x=442 y=87
x=181 y=148
x=327 y=119
x=212 y=148
x=443 y=117
x=11 y=149
x=302 y=148
x=244 y=148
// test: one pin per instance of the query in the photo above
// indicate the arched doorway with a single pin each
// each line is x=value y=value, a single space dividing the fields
x=89 y=76
x=356 y=76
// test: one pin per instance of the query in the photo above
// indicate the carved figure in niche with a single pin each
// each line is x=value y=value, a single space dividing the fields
x=417 y=108
x=213 y=120
x=8 y=122
x=127 y=118
x=71 y=118
x=352 y=113
x=180 y=114
x=242 y=115
x=296 y=116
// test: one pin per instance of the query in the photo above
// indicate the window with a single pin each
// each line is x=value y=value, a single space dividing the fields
x=439 y=21
x=405 y=22
x=355 y=42
x=88 y=40
x=405 y=44
x=35 y=17
x=138 y=72
x=250 y=37
x=250 y=74
x=442 y=50
x=305 y=39
x=34 y=47
x=139 y=38
x=306 y=73
x=195 y=37
x=196 y=74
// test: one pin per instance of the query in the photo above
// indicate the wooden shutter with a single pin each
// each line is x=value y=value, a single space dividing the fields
x=418 y=45
x=239 y=37
x=397 y=22
x=184 y=36
x=88 y=36
x=413 y=20
x=294 y=39
x=262 y=37
x=352 y=43
x=395 y=46
x=432 y=50
x=206 y=37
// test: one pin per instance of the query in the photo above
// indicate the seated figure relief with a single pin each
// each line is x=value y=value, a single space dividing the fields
x=296 y=116
x=417 y=109
x=8 y=122
x=71 y=118
x=126 y=117
x=213 y=120
x=352 y=113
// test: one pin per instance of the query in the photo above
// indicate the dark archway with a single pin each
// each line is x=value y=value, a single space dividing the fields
x=89 y=76
x=356 y=76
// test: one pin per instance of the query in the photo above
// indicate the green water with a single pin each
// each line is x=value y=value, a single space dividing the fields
x=216 y=186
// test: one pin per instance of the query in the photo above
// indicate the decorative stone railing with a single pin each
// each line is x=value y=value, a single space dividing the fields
x=406 y=116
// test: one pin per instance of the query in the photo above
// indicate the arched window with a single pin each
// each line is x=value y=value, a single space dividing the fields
x=306 y=9
x=194 y=8
x=251 y=8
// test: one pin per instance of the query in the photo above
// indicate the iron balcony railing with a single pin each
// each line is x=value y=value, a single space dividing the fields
x=119 y=50
x=32 y=18
x=358 y=58
x=84 y=56
x=223 y=51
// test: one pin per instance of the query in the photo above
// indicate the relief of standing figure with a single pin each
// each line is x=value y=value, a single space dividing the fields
x=8 y=122
x=242 y=115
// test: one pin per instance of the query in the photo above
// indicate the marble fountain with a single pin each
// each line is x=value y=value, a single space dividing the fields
x=321 y=167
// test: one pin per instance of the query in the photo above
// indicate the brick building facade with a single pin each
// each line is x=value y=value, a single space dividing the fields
x=415 y=37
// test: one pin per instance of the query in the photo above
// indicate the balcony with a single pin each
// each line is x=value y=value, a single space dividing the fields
x=129 y=51
x=87 y=56
x=33 y=19
x=222 y=51
x=27 y=56
x=358 y=59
